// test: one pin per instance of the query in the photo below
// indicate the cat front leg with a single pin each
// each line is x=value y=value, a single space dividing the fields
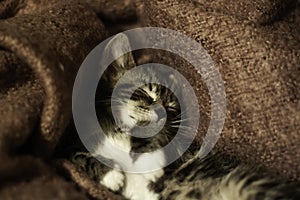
x=149 y=168
x=137 y=188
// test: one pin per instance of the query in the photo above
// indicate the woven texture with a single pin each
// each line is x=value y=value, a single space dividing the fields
x=257 y=11
x=114 y=10
x=42 y=44
x=260 y=68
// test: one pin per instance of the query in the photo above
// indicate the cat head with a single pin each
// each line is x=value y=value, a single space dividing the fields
x=148 y=102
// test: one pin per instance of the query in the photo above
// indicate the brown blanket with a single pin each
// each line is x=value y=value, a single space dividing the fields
x=259 y=64
x=42 y=44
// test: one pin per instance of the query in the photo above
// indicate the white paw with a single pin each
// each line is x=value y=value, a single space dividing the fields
x=113 y=180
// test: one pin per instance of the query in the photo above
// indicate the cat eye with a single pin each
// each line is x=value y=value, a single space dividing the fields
x=142 y=107
x=141 y=95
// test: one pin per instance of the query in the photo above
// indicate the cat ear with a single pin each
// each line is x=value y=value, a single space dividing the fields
x=119 y=49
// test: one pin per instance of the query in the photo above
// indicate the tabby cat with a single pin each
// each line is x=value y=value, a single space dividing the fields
x=216 y=177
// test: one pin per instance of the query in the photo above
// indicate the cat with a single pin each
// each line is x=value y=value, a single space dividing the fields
x=216 y=177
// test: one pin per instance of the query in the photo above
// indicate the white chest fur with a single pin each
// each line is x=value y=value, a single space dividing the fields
x=135 y=185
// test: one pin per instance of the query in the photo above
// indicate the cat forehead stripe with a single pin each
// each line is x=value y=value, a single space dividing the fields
x=152 y=93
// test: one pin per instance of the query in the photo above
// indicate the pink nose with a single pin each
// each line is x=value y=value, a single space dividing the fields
x=153 y=116
x=157 y=112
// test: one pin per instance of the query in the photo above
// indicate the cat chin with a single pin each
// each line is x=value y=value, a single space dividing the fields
x=117 y=148
x=151 y=162
x=124 y=121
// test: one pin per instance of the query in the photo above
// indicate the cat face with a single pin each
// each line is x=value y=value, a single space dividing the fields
x=151 y=103
x=139 y=101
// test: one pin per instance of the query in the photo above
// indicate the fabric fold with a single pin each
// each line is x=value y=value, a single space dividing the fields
x=52 y=38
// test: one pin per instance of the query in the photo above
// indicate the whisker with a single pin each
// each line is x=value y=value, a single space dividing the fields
x=181 y=113
x=186 y=133
x=108 y=100
x=183 y=127
x=180 y=120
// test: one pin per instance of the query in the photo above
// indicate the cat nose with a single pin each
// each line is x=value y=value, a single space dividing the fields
x=153 y=116
x=161 y=113
x=158 y=113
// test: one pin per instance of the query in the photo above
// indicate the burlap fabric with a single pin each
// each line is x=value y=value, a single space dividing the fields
x=257 y=11
x=114 y=10
x=257 y=54
x=42 y=44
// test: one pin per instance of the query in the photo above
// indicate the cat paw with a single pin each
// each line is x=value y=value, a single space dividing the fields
x=113 y=180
